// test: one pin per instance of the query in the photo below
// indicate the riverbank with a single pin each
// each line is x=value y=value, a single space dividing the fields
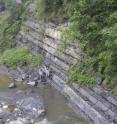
x=97 y=103
x=92 y=100
x=57 y=110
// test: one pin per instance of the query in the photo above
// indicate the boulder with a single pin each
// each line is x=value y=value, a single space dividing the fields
x=34 y=107
x=21 y=73
x=32 y=83
x=20 y=121
x=20 y=108
x=2 y=121
x=98 y=77
x=44 y=121
x=12 y=85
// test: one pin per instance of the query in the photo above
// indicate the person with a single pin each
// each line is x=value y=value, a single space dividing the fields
x=46 y=70
x=36 y=83
x=50 y=74
x=43 y=77
x=40 y=74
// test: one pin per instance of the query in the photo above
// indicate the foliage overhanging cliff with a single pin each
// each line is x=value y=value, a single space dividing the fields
x=10 y=22
x=94 y=26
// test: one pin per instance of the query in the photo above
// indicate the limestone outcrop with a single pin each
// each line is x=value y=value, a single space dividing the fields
x=94 y=102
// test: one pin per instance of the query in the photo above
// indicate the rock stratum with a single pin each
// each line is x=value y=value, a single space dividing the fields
x=94 y=102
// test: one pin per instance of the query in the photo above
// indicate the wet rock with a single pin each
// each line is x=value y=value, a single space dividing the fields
x=12 y=85
x=2 y=122
x=99 y=78
x=12 y=122
x=21 y=72
x=34 y=74
x=44 y=121
x=14 y=73
x=5 y=107
x=34 y=107
x=21 y=110
x=115 y=121
x=20 y=121
x=3 y=70
x=0 y=108
x=33 y=83
x=19 y=79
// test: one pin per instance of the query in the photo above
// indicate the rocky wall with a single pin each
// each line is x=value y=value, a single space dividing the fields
x=45 y=39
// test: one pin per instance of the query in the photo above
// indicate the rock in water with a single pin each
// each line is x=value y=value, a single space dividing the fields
x=32 y=83
x=20 y=121
x=44 y=121
x=19 y=108
x=12 y=85
x=1 y=121
x=34 y=106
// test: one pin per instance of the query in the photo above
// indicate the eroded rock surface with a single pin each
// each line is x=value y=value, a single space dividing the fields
x=20 y=108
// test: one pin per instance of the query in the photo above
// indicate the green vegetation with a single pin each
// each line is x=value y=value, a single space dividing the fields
x=80 y=76
x=94 y=27
x=54 y=10
x=19 y=57
x=25 y=28
x=10 y=23
x=97 y=33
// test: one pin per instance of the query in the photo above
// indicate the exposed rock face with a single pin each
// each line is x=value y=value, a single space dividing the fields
x=32 y=6
x=94 y=102
x=19 y=108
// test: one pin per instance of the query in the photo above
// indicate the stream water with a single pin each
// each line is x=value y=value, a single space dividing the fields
x=58 y=111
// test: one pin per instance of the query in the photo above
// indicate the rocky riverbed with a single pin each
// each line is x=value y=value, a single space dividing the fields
x=33 y=105
x=19 y=108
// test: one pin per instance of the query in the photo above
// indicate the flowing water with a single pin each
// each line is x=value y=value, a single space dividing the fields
x=58 y=111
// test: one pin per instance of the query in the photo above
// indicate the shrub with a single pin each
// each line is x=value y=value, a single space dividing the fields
x=19 y=57
x=57 y=11
x=10 y=26
x=80 y=77
x=96 y=31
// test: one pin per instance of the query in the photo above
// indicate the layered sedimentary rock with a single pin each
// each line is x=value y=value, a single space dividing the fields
x=94 y=102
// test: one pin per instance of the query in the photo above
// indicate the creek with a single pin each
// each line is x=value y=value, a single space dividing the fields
x=58 y=110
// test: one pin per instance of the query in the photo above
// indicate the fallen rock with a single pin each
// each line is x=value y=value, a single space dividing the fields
x=21 y=73
x=98 y=77
x=20 y=108
x=32 y=83
x=5 y=107
x=0 y=110
x=44 y=121
x=12 y=85
x=20 y=121
x=34 y=107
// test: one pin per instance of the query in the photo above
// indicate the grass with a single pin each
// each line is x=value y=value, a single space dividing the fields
x=19 y=57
